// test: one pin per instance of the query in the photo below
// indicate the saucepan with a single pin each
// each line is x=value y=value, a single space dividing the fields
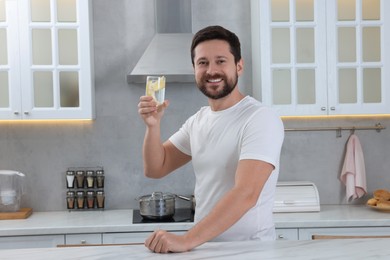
x=160 y=205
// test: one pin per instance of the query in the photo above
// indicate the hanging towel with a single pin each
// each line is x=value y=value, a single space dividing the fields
x=353 y=174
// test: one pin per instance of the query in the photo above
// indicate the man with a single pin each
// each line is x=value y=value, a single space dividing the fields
x=234 y=144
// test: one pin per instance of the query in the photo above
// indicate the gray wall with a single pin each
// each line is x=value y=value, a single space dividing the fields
x=122 y=30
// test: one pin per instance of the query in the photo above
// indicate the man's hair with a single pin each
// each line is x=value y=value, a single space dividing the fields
x=216 y=32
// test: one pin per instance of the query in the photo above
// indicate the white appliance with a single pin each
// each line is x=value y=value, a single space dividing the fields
x=296 y=196
x=11 y=190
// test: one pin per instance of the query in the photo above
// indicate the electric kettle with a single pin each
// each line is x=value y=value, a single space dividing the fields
x=11 y=190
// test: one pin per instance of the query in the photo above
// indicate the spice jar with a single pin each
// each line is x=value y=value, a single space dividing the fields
x=70 y=179
x=80 y=199
x=100 y=179
x=90 y=179
x=80 y=179
x=70 y=199
x=100 y=199
x=90 y=199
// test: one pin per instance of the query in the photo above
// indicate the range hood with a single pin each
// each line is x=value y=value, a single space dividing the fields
x=168 y=54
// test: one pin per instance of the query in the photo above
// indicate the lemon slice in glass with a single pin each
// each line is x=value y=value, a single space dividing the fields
x=155 y=87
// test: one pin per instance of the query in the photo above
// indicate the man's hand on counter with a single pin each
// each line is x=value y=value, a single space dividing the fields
x=161 y=241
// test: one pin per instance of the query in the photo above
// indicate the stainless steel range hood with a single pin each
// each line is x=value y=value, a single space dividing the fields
x=168 y=53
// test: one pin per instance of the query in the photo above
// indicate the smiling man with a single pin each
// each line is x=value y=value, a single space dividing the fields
x=234 y=145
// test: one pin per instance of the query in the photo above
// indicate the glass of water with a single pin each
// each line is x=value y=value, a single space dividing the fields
x=155 y=87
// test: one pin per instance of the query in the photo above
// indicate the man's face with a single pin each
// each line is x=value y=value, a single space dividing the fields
x=216 y=73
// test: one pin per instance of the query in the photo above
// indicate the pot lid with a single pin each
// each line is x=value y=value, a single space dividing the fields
x=156 y=196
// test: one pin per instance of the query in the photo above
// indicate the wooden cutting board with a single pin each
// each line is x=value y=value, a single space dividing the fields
x=21 y=214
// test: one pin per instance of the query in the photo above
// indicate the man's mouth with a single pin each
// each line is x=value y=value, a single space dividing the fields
x=214 y=80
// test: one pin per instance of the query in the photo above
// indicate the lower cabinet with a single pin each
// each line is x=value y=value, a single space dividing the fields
x=286 y=234
x=15 y=242
x=83 y=239
x=44 y=241
x=133 y=237
x=307 y=233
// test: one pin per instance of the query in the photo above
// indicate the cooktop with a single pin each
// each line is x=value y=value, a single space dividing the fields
x=181 y=215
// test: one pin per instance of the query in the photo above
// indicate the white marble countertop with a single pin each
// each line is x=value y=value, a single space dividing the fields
x=334 y=216
x=288 y=250
x=64 y=222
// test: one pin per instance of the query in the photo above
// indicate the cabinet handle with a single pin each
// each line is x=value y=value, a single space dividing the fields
x=83 y=242
x=323 y=108
x=332 y=108
x=16 y=112
x=26 y=112
x=280 y=236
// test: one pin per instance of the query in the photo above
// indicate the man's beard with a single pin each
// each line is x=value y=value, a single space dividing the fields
x=227 y=88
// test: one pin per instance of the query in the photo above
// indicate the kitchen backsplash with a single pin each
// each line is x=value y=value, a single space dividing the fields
x=122 y=29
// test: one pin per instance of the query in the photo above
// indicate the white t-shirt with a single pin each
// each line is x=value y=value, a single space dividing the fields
x=217 y=140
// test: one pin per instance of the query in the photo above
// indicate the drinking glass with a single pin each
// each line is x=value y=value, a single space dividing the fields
x=155 y=87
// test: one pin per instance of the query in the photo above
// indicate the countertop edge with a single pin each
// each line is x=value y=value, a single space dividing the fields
x=120 y=221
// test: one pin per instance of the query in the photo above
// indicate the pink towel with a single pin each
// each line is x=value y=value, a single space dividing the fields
x=353 y=174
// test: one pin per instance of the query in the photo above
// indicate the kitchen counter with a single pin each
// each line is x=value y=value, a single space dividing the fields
x=75 y=222
x=293 y=250
x=65 y=222
x=334 y=216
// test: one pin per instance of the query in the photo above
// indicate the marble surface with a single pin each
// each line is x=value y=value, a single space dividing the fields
x=295 y=250
x=64 y=222
x=334 y=216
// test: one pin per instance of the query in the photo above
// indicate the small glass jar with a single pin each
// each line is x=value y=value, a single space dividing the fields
x=90 y=179
x=90 y=199
x=100 y=199
x=70 y=179
x=80 y=179
x=70 y=200
x=100 y=179
x=80 y=199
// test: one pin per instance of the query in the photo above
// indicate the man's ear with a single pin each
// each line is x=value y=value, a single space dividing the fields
x=240 y=67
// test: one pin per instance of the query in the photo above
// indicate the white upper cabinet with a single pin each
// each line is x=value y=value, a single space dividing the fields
x=46 y=59
x=317 y=57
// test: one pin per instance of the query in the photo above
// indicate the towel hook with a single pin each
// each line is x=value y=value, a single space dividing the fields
x=353 y=130
x=338 y=132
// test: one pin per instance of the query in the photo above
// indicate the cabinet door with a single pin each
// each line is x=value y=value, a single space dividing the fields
x=289 y=42
x=287 y=234
x=83 y=239
x=57 y=76
x=15 y=242
x=307 y=233
x=133 y=237
x=358 y=61
x=10 y=95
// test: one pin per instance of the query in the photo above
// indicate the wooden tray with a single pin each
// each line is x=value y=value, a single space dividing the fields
x=380 y=209
x=21 y=214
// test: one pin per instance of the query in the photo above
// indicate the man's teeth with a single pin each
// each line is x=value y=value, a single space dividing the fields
x=214 y=80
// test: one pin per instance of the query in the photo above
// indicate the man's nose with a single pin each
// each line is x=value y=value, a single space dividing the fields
x=212 y=69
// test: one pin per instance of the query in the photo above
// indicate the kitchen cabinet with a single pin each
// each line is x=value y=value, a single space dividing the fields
x=46 y=60
x=130 y=237
x=83 y=239
x=306 y=233
x=14 y=242
x=314 y=57
x=287 y=234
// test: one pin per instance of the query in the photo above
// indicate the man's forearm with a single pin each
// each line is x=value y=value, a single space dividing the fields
x=153 y=152
x=224 y=215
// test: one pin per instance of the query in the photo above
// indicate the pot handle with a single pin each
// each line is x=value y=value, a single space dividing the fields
x=183 y=198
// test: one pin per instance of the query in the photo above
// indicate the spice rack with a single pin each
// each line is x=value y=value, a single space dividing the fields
x=85 y=188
